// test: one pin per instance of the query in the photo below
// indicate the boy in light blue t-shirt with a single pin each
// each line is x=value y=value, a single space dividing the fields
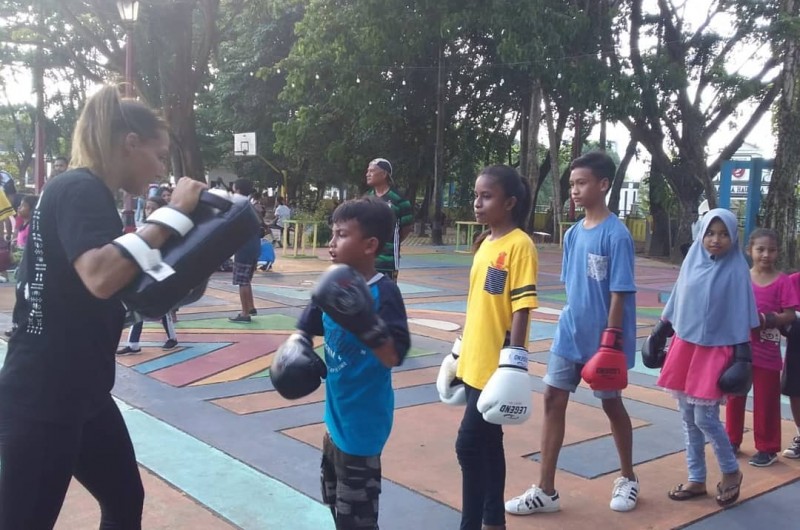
x=597 y=269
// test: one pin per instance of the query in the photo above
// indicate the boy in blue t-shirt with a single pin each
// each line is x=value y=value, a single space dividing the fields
x=597 y=270
x=359 y=399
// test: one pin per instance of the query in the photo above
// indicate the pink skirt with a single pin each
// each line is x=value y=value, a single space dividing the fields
x=693 y=370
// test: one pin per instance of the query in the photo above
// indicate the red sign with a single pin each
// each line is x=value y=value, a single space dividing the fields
x=739 y=172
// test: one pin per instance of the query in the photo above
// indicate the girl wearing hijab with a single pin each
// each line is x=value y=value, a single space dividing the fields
x=709 y=304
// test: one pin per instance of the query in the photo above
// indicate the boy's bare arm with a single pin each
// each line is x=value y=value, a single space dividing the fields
x=387 y=353
x=616 y=311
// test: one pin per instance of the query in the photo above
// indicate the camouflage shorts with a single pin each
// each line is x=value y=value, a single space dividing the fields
x=351 y=486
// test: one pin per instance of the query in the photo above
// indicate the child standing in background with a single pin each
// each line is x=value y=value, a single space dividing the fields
x=20 y=238
x=790 y=378
x=712 y=310
x=776 y=300
x=23 y=220
x=168 y=321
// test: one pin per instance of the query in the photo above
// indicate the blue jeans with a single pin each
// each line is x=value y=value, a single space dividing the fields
x=701 y=423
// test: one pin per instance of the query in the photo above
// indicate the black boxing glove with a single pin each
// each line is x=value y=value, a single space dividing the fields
x=654 y=349
x=343 y=294
x=738 y=377
x=297 y=370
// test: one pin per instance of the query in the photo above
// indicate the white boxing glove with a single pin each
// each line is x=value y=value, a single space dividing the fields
x=507 y=399
x=450 y=387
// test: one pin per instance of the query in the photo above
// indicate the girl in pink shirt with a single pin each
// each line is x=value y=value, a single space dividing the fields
x=776 y=300
x=23 y=219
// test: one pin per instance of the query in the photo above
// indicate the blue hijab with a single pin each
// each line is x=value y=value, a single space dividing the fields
x=712 y=303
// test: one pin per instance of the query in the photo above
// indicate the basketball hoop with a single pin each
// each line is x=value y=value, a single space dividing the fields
x=244 y=144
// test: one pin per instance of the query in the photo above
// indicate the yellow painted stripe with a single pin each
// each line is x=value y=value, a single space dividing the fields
x=237 y=372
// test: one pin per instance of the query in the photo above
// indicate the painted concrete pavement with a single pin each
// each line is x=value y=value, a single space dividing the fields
x=219 y=448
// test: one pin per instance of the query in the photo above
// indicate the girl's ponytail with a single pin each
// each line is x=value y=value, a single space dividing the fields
x=522 y=212
x=105 y=120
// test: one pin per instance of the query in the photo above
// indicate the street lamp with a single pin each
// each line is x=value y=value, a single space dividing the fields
x=129 y=13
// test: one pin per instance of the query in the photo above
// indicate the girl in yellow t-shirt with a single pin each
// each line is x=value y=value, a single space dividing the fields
x=502 y=292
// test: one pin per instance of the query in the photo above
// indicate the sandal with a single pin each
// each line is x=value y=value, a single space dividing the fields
x=680 y=493
x=732 y=490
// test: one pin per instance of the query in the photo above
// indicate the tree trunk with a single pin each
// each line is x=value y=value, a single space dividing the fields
x=660 y=240
x=423 y=216
x=781 y=203
x=554 y=169
x=182 y=66
x=438 y=167
x=687 y=188
x=603 y=133
x=524 y=122
x=532 y=147
x=619 y=176
x=544 y=170
x=577 y=147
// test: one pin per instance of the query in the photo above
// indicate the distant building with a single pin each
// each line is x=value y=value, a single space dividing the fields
x=741 y=177
x=628 y=198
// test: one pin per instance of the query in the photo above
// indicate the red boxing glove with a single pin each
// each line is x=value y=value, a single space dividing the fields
x=608 y=368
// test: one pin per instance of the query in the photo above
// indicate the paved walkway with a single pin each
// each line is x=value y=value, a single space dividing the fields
x=220 y=449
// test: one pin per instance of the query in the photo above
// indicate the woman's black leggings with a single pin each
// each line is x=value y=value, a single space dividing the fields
x=38 y=459
x=479 y=448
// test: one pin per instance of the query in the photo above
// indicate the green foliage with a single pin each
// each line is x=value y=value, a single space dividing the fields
x=328 y=85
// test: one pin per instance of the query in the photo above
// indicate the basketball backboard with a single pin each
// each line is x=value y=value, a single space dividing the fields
x=244 y=144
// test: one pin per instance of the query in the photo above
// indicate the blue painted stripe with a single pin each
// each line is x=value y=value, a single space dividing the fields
x=190 y=352
x=411 y=288
x=241 y=494
x=542 y=330
x=457 y=306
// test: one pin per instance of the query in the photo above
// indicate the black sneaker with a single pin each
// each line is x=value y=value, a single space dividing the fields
x=253 y=312
x=793 y=451
x=762 y=459
x=242 y=319
x=127 y=350
x=171 y=343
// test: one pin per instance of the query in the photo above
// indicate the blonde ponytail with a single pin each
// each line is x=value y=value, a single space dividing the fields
x=105 y=120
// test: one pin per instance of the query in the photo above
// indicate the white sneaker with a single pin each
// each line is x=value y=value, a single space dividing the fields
x=533 y=501
x=624 y=495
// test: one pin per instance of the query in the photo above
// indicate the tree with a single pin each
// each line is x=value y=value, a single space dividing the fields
x=242 y=93
x=675 y=97
x=174 y=40
x=555 y=45
x=781 y=203
x=356 y=91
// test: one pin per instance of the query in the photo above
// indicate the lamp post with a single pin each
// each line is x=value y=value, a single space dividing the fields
x=39 y=169
x=129 y=13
